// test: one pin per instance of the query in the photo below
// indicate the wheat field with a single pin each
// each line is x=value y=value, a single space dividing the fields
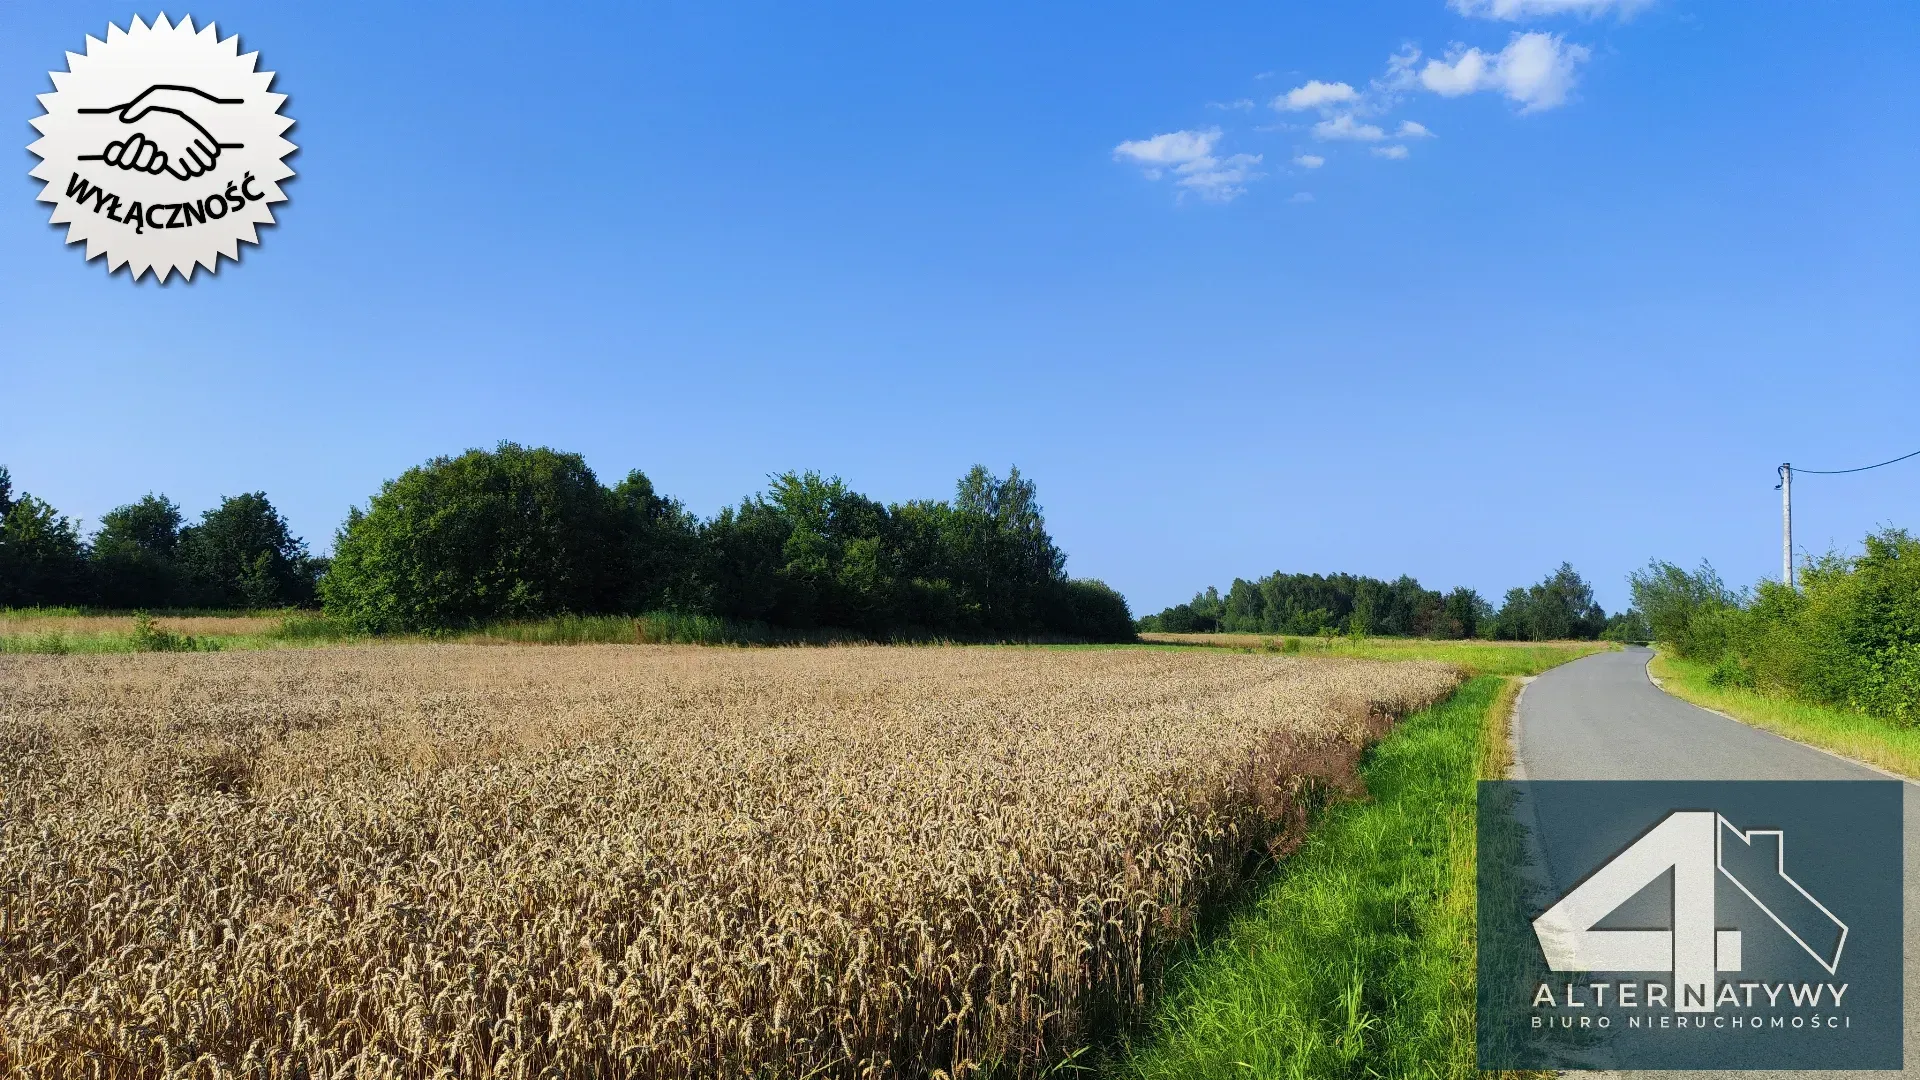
x=632 y=861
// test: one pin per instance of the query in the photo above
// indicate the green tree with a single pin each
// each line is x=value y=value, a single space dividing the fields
x=1309 y=603
x=508 y=533
x=1466 y=611
x=1000 y=551
x=134 y=555
x=41 y=555
x=1628 y=625
x=1686 y=611
x=242 y=554
x=659 y=538
x=1560 y=607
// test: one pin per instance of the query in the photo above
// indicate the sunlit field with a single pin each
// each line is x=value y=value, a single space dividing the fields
x=635 y=861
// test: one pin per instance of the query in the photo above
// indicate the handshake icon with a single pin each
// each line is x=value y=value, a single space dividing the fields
x=164 y=136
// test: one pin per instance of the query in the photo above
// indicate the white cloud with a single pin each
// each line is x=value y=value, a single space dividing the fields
x=1345 y=127
x=1189 y=154
x=1397 y=153
x=1241 y=103
x=1219 y=180
x=1535 y=69
x=1301 y=197
x=1400 y=69
x=1513 y=10
x=1172 y=148
x=1309 y=161
x=1314 y=95
x=1412 y=130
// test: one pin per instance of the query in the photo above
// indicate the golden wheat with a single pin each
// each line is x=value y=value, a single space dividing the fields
x=456 y=861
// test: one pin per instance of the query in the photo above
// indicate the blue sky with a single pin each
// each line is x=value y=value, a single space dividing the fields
x=1646 y=252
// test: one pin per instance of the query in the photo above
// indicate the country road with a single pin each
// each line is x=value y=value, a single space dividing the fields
x=1601 y=718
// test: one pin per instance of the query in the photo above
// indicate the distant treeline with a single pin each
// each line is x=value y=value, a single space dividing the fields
x=1559 y=607
x=520 y=533
x=1848 y=636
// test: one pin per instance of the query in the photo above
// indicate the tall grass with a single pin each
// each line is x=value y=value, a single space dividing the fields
x=653 y=628
x=63 y=631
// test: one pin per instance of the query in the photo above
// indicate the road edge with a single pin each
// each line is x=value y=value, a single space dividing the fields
x=1659 y=684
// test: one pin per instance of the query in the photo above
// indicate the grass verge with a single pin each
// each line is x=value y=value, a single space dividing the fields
x=1843 y=731
x=1357 y=960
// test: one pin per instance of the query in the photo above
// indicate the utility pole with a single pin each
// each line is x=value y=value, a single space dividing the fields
x=1786 y=524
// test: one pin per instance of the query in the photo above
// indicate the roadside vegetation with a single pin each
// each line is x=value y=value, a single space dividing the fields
x=1356 y=958
x=1847 y=732
x=1835 y=662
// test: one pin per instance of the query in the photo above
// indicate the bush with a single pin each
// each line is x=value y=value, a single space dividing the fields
x=1093 y=611
x=149 y=636
x=1849 y=636
x=1682 y=610
x=1730 y=672
x=511 y=533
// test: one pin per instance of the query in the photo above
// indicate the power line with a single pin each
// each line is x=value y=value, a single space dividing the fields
x=1863 y=468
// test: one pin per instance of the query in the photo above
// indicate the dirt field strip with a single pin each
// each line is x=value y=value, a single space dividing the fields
x=631 y=861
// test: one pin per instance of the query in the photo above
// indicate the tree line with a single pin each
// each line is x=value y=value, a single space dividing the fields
x=522 y=533
x=1560 y=606
x=1848 y=636
x=145 y=554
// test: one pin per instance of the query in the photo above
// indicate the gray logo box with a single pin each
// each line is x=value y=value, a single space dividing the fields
x=1690 y=924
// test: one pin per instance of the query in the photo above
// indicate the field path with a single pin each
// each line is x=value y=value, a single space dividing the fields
x=1601 y=718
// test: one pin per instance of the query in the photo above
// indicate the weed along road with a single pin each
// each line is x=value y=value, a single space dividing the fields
x=1601 y=718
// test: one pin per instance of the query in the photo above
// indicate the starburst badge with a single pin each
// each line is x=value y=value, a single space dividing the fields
x=161 y=148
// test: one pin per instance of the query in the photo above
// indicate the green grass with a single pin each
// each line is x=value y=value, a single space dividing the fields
x=653 y=628
x=142 y=635
x=1358 y=959
x=1843 y=731
x=301 y=629
x=1476 y=657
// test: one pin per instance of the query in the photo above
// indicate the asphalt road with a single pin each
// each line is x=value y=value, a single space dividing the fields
x=1601 y=718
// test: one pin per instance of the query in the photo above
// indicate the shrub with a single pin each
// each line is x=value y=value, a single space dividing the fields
x=149 y=636
x=1094 y=611
x=1849 y=636
x=1730 y=672
x=511 y=533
